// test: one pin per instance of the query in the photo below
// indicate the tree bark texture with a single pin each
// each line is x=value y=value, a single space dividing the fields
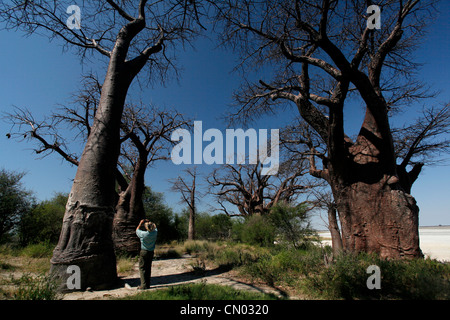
x=336 y=239
x=377 y=218
x=377 y=215
x=129 y=211
x=85 y=238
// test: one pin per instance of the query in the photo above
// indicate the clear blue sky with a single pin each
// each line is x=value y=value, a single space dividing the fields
x=36 y=74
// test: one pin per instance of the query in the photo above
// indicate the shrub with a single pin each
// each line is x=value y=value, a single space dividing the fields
x=213 y=227
x=286 y=265
x=400 y=279
x=43 y=222
x=15 y=201
x=237 y=255
x=195 y=246
x=257 y=230
x=39 y=250
x=41 y=287
x=292 y=225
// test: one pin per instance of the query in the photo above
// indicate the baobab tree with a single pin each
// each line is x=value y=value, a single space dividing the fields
x=129 y=35
x=148 y=132
x=321 y=53
x=188 y=189
x=422 y=143
x=144 y=140
x=245 y=188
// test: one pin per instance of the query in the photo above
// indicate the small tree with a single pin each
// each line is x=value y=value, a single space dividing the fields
x=292 y=224
x=15 y=201
x=189 y=195
x=43 y=222
x=170 y=226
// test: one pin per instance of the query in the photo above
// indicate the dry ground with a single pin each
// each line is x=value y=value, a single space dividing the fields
x=165 y=273
x=169 y=272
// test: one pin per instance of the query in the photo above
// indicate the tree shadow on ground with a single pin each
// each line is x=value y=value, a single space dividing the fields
x=173 y=279
x=191 y=276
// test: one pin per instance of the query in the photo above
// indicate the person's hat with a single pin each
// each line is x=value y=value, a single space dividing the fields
x=150 y=226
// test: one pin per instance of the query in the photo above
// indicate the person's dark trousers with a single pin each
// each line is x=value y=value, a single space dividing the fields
x=145 y=267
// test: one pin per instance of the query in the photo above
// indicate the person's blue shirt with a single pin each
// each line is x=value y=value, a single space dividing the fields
x=148 y=239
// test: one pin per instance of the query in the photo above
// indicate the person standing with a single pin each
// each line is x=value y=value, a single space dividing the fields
x=147 y=232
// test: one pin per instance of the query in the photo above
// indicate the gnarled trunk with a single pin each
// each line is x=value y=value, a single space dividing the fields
x=378 y=218
x=129 y=211
x=124 y=229
x=376 y=214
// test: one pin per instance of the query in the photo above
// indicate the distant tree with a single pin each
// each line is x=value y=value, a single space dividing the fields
x=43 y=222
x=188 y=189
x=213 y=227
x=292 y=224
x=170 y=226
x=245 y=188
x=15 y=202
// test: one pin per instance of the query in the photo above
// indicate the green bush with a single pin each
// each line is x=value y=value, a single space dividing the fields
x=237 y=255
x=266 y=269
x=257 y=230
x=39 y=250
x=226 y=254
x=213 y=227
x=286 y=224
x=292 y=225
x=41 y=287
x=15 y=202
x=286 y=265
x=43 y=222
x=346 y=278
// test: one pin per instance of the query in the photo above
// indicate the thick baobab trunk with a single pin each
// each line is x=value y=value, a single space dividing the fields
x=85 y=238
x=86 y=235
x=376 y=214
x=124 y=228
x=380 y=219
x=129 y=211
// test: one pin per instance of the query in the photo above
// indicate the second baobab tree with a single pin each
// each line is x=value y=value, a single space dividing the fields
x=321 y=54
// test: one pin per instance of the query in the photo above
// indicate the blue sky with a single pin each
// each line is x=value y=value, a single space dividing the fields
x=37 y=74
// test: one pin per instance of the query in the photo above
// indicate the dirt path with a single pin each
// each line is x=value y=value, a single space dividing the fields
x=170 y=272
